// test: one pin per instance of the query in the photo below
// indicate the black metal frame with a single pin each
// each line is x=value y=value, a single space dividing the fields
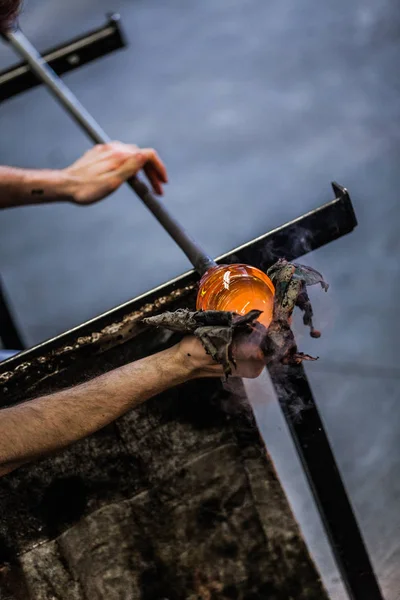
x=65 y=58
x=308 y=433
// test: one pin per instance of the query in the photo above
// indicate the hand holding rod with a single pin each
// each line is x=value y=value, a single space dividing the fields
x=199 y=259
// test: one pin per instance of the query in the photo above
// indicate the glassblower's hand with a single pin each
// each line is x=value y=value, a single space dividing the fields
x=246 y=351
x=105 y=167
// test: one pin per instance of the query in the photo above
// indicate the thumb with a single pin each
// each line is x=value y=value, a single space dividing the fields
x=131 y=166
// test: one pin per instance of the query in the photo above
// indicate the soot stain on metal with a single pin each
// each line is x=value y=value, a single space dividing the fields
x=99 y=341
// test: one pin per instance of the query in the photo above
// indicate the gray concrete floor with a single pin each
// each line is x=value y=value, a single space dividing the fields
x=255 y=107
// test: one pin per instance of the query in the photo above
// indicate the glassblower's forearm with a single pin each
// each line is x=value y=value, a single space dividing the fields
x=20 y=187
x=36 y=428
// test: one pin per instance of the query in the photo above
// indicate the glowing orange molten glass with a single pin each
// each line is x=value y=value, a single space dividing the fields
x=239 y=288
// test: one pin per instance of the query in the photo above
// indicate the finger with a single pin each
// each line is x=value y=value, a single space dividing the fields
x=111 y=148
x=121 y=147
x=131 y=166
x=152 y=159
x=103 y=155
x=153 y=177
x=157 y=163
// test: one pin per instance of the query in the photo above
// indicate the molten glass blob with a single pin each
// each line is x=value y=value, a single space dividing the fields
x=238 y=288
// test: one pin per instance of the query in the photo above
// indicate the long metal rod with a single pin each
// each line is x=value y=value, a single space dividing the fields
x=197 y=256
x=327 y=487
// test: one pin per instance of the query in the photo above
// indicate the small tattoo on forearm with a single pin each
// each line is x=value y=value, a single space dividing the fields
x=37 y=192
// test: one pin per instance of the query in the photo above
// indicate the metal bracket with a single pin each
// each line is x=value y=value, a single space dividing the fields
x=65 y=58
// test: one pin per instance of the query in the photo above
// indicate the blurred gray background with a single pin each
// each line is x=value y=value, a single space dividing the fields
x=255 y=107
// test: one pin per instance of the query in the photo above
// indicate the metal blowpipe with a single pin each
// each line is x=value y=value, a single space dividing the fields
x=196 y=255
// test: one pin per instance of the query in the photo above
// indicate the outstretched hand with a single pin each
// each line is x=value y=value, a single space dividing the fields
x=105 y=167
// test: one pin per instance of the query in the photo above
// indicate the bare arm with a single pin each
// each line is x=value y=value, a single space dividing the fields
x=19 y=187
x=44 y=425
x=34 y=429
x=96 y=175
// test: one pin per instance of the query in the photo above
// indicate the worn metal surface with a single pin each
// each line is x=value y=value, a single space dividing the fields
x=29 y=374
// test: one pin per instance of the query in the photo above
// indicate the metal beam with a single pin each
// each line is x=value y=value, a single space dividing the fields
x=329 y=492
x=65 y=58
